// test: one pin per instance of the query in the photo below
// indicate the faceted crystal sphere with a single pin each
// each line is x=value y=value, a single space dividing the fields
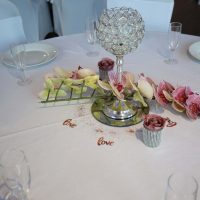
x=120 y=30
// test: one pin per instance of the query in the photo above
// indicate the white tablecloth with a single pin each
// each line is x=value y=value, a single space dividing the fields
x=67 y=163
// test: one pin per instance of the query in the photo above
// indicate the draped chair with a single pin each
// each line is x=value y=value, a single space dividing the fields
x=35 y=17
x=11 y=25
x=43 y=17
x=70 y=16
x=156 y=13
x=29 y=20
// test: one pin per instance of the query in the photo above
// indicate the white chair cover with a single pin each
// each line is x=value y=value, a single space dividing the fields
x=11 y=25
x=156 y=13
x=7 y=9
x=36 y=19
x=43 y=18
x=70 y=16
x=29 y=19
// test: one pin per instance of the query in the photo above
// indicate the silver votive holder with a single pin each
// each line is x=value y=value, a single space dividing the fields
x=105 y=66
x=152 y=129
x=103 y=75
x=151 y=138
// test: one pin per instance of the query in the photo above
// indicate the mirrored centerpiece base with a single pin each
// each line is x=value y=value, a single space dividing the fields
x=104 y=112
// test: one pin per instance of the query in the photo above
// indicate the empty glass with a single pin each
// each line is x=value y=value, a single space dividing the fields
x=18 y=55
x=16 y=174
x=181 y=186
x=174 y=34
x=90 y=31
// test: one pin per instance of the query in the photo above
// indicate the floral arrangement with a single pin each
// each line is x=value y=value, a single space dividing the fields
x=62 y=83
x=182 y=98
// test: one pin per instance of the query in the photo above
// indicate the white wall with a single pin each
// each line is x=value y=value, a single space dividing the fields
x=155 y=13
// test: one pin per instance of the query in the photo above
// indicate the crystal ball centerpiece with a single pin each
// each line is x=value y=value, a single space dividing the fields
x=120 y=31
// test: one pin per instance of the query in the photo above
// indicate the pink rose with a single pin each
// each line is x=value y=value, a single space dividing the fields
x=193 y=106
x=181 y=94
x=154 y=122
x=163 y=92
x=106 y=64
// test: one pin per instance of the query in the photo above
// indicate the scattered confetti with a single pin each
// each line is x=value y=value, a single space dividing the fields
x=131 y=130
x=99 y=130
x=68 y=122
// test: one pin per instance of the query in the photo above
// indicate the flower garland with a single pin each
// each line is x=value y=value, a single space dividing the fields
x=182 y=98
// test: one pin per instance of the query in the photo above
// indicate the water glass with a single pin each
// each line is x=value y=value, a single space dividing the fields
x=90 y=31
x=181 y=186
x=174 y=34
x=18 y=56
x=16 y=174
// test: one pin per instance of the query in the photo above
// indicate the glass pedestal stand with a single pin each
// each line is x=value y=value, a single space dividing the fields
x=117 y=113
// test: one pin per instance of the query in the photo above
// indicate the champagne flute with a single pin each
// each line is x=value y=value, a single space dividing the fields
x=18 y=55
x=181 y=186
x=91 y=36
x=174 y=34
x=16 y=174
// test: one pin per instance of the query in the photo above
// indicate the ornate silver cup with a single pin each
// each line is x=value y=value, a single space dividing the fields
x=120 y=31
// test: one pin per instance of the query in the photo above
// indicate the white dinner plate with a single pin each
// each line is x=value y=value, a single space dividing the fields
x=194 y=50
x=36 y=54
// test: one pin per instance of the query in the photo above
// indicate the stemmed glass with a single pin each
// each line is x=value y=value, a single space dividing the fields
x=18 y=56
x=181 y=186
x=90 y=32
x=174 y=34
x=16 y=174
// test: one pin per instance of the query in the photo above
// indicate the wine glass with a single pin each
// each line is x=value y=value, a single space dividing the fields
x=174 y=34
x=18 y=56
x=181 y=186
x=90 y=31
x=16 y=174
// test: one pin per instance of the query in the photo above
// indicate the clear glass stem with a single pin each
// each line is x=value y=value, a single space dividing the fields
x=172 y=53
x=23 y=80
x=22 y=74
x=171 y=59
x=119 y=63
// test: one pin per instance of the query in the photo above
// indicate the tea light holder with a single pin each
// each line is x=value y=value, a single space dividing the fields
x=152 y=130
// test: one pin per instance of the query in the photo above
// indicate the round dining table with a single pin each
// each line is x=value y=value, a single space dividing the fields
x=68 y=162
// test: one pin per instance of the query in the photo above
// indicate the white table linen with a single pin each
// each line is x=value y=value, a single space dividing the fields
x=67 y=163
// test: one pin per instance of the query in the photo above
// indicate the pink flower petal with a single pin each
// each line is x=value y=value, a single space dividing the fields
x=193 y=106
x=154 y=122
